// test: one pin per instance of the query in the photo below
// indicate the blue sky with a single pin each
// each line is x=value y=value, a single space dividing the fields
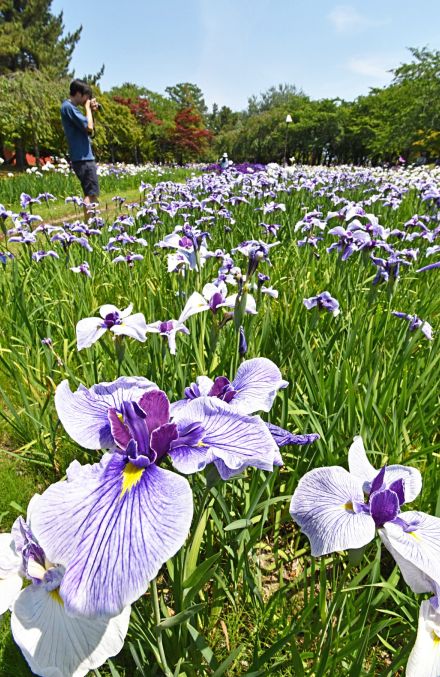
x=235 y=48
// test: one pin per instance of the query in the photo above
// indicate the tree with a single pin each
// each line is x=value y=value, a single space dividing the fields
x=189 y=137
x=30 y=127
x=188 y=95
x=32 y=38
x=140 y=109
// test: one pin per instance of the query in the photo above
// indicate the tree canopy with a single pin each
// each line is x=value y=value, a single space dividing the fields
x=138 y=124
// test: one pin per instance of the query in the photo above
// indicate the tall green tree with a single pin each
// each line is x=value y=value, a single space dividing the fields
x=31 y=37
x=188 y=95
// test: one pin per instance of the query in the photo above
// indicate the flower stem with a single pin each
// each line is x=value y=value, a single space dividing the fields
x=156 y=610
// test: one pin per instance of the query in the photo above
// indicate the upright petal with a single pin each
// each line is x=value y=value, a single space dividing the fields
x=113 y=528
x=55 y=644
x=257 y=382
x=88 y=331
x=358 y=463
x=324 y=505
x=84 y=413
x=424 y=659
x=237 y=440
x=361 y=468
x=110 y=309
x=156 y=406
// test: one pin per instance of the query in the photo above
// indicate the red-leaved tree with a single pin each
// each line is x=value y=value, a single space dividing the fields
x=189 y=138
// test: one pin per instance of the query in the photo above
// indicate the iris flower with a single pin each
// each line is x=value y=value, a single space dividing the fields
x=113 y=524
x=323 y=301
x=52 y=642
x=416 y=323
x=168 y=330
x=212 y=298
x=119 y=322
x=254 y=387
x=339 y=510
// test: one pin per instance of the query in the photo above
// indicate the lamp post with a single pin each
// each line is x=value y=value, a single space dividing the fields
x=288 y=121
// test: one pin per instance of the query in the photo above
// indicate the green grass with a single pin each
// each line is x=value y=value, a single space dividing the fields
x=257 y=603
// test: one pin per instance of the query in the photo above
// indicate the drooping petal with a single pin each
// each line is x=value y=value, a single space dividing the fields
x=133 y=326
x=284 y=438
x=237 y=440
x=112 y=526
x=257 y=382
x=10 y=560
x=424 y=659
x=84 y=413
x=195 y=304
x=9 y=590
x=10 y=578
x=55 y=644
x=154 y=327
x=415 y=539
x=88 y=331
x=324 y=506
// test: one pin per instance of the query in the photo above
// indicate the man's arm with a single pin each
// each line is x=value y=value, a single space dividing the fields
x=89 y=116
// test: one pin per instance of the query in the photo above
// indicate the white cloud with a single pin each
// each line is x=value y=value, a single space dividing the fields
x=376 y=67
x=346 y=19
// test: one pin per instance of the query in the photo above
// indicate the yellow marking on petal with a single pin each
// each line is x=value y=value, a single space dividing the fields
x=348 y=506
x=56 y=596
x=414 y=535
x=201 y=444
x=131 y=475
x=120 y=417
x=435 y=637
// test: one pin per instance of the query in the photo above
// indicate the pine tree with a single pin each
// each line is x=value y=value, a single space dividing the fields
x=31 y=37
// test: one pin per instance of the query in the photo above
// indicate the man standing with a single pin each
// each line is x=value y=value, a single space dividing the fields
x=78 y=128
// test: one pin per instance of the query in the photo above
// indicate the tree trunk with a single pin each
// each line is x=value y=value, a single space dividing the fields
x=20 y=157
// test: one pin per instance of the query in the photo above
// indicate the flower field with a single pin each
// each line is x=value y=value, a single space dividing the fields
x=198 y=358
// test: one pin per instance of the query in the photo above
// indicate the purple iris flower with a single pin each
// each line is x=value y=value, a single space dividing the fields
x=388 y=269
x=37 y=256
x=119 y=322
x=52 y=642
x=168 y=330
x=5 y=257
x=128 y=258
x=83 y=269
x=26 y=200
x=256 y=251
x=254 y=387
x=340 y=510
x=25 y=237
x=323 y=301
x=66 y=240
x=113 y=524
x=416 y=323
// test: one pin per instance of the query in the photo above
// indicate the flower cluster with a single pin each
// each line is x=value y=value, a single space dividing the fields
x=93 y=542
